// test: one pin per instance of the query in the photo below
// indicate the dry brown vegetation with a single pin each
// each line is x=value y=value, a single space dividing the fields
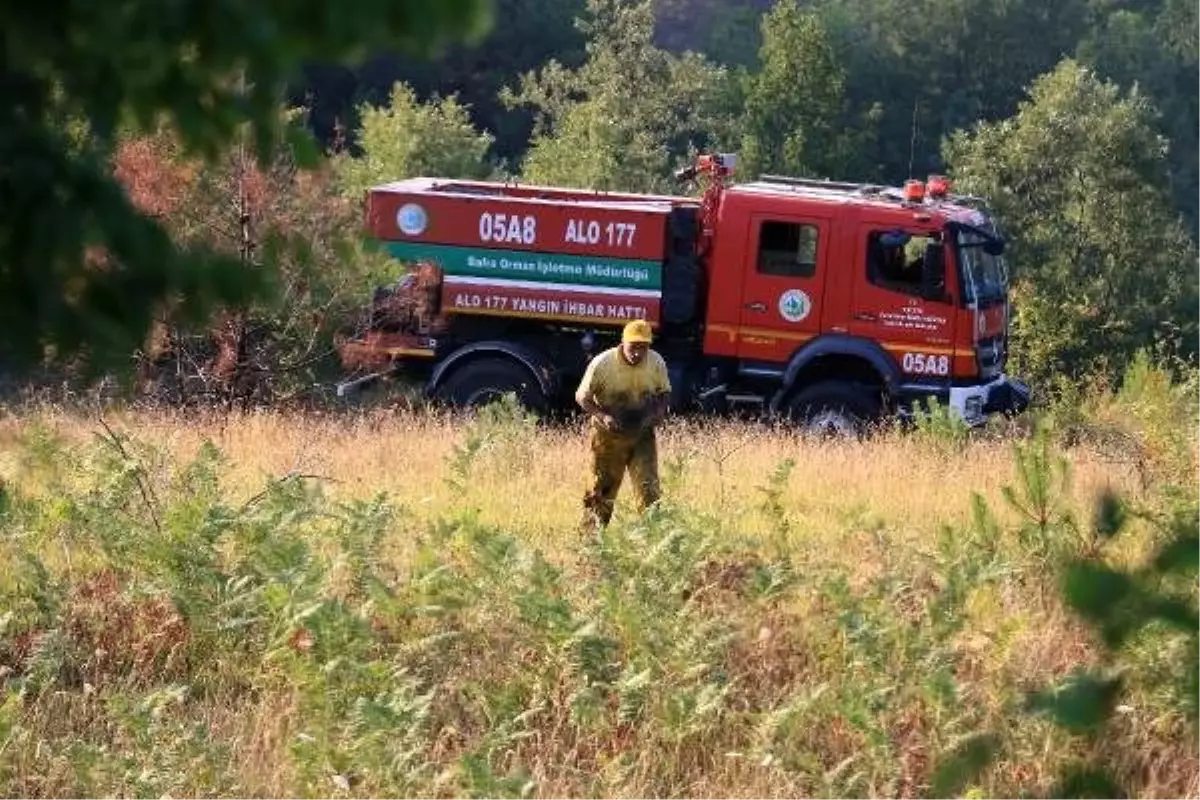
x=802 y=618
x=534 y=484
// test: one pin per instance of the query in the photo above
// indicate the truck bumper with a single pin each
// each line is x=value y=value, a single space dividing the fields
x=972 y=404
x=1004 y=395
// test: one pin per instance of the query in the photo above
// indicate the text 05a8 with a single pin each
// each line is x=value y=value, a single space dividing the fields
x=507 y=228
x=922 y=364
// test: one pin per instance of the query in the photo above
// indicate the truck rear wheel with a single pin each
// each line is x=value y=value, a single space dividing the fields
x=486 y=380
x=834 y=408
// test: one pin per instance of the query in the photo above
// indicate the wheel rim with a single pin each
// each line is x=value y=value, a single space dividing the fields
x=483 y=396
x=832 y=422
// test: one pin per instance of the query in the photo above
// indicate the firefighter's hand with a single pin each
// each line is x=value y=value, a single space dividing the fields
x=609 y=422
x=657 y=413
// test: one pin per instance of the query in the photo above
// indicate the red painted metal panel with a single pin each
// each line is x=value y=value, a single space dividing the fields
x=419 y=212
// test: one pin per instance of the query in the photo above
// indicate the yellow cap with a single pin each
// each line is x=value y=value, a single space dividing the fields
x=637 y=331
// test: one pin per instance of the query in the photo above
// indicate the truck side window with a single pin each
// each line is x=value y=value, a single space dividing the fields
x=787 y=249
x=895 y=260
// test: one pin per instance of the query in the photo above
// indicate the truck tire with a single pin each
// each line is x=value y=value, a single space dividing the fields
x=835 y=408
x=485 y=380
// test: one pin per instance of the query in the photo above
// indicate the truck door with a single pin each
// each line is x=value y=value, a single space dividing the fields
x=783 y=284
x=890 y=308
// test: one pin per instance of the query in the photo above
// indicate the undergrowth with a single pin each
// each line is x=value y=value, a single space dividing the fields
x=158 y=637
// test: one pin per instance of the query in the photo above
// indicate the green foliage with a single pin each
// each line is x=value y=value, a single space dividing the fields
x=1103 y=266
x=1082 y=781
x=1144 y=423
x=408 y=138
x=102 y=69
x=964 y=763
x=1151 y=607
x=918 y=71
x=772 y=498
x=1080 y=704
x=1151 y=46
x=939 y=426
x=1123 y=605
x=166 y=630
x=1156 y=407
x=497 y=437
x=1048 y=526
x=793 y=101
x=1175 y=21
x=524 y=35
x=735 y=37
x=622 y=119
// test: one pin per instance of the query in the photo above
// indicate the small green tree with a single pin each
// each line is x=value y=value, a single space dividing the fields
x=622 y=119
x=408 y=138
x=1102 y=264
x=792 y=103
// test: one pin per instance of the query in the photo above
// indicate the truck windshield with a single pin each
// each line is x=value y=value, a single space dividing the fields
x=984 y=276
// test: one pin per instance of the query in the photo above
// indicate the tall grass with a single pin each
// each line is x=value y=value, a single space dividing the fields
x=349 y=606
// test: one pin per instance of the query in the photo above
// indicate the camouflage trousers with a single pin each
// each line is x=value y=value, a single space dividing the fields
x=612 y=453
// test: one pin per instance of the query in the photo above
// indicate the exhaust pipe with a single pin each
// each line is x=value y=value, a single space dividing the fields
x=345 y=388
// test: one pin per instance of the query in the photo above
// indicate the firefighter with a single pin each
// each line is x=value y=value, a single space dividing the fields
x=625 y=391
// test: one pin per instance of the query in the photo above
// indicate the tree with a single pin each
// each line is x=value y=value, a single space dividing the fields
x=293 y=225
x=917 y=70
x=1126 y=45
x=97 y=66
x=725 y=30
x=623 y=118
x=526 y=34
x=793 y=102
x=1103 y=265
x=408 y=138
x=1176 y=21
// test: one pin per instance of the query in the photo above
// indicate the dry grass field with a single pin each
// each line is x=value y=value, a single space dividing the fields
x=532 y=484
x=402 y=604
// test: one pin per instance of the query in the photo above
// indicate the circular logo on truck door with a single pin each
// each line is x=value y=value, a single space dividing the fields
x=794 y=305
x=412 y=219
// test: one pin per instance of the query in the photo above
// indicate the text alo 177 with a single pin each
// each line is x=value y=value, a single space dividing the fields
x=504 y=228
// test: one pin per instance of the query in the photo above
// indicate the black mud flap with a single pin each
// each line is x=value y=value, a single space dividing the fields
x=1011 y=397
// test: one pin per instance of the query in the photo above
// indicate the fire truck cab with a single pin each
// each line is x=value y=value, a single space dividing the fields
x=826 y=295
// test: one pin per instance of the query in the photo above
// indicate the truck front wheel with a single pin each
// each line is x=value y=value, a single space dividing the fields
x=834 y=408
x=479 y=382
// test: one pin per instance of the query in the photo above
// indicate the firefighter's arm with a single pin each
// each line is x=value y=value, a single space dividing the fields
x=585 y=397
x=593 y=409
x=660 y=400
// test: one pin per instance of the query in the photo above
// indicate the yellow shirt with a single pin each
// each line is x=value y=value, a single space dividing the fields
x=615 y=384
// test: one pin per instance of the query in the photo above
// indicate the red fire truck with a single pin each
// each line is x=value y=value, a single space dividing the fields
x=831 y=304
